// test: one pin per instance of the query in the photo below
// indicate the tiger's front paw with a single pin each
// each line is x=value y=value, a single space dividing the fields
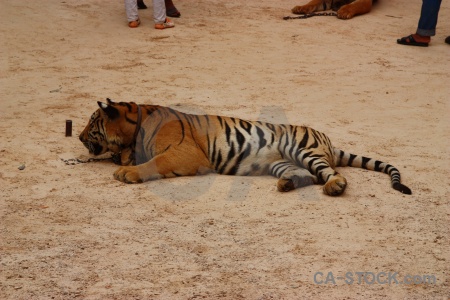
x=335 y=186
x=128 y=175
x=303 y=9
x=345 y=12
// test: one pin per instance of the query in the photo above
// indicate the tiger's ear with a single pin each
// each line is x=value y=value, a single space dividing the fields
x=109 y=110
x=109 y=101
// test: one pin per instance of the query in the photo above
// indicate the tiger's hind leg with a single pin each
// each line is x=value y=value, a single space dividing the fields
x=290 y=175
x=310 y=7
x=335 y=183
x=358 y=7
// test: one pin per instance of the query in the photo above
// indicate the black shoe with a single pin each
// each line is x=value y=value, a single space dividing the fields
x=173 y=12
x=141 y=4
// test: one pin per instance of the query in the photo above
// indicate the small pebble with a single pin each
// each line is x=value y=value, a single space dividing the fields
x=21 y=167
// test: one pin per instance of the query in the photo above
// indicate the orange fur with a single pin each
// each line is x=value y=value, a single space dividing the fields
x=153 y=142
x=347 y=9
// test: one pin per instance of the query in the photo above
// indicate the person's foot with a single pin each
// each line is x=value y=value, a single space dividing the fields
x=167 y=24
x=141 y=4
x=447 y=39
x=134 y=24
x=421 y=38
x=173 y=12
x=414 y=40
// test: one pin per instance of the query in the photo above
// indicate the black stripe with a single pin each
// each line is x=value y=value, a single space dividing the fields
x=220 y=121
x=129 y=120
x=181 y=124
x=377 y=166
x=341 y=155
x=227 y=132
x=281 y=169
x=218 y=160
x=230 y=156
x=240 y=139
x=197 y=119
x=291 y=150
x=365 y=160
x=296 y=158
x=350 y=160
x=320 y=168
x=270 y=126
x=276 y=167
x=262 y=140
x=222 y=169
x=231 y=153
x=294 y=132
x=240 y=158
x=213 y=154
x=328 y=177
x=209 y=144
x=150 y=109
x=311 y=162
x=305 y=155
x=316 y=137
x=189 y=119
x=389 y=169
x=285 y=135
x=304 y=140
x=246 y=126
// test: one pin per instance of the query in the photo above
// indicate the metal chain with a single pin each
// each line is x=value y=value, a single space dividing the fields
x=305 y=16
x=76 y=161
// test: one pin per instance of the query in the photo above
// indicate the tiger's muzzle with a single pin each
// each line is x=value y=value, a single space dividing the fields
x=94 y=148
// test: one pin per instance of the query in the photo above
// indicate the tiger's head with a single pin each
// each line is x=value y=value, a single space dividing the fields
x=110 y=128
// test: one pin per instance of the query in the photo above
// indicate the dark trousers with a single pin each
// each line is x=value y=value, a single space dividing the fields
x=428 y=17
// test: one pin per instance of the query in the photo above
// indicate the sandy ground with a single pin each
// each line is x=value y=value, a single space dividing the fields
x=72 y=231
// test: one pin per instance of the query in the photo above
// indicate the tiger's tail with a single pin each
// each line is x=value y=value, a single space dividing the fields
x=344 y=159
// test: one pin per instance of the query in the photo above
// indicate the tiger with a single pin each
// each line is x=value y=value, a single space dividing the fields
x=346 y=9
x=152 y=142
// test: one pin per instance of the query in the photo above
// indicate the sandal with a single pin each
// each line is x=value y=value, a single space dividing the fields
x=410 y=41
x=134 y=24
x=167 y=24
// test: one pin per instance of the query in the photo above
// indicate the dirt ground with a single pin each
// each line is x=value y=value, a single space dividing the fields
x=72 y=231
